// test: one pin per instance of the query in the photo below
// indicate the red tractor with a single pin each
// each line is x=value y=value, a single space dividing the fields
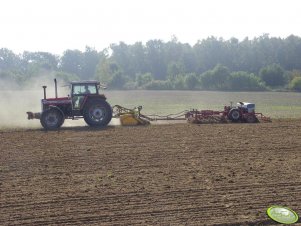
x=83 y=102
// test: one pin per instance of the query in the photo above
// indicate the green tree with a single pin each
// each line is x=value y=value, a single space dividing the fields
x=43 y=60
x=290 y=75
x=143 y=79
x=179 y=82
x=121 y=55
x=290 y=53
x=243 y=81
x=8 y=60
x=72 y=62
x=216 y=79
x=90 y=60
x=118 y=81
x=273 y=75
x=191 y=81
x=174 y=69
x=155 y=55
x=295 y=84
x=206 y=80
x=105 y=70
x=138 y=59
x=209 y=53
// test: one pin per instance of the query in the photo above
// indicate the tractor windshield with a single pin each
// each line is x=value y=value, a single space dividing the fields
x=82 y=89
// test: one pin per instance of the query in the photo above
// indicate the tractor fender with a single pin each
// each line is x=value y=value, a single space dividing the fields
x=87 y=99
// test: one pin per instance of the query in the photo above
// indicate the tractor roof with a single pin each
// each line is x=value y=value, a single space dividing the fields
x=85 y=82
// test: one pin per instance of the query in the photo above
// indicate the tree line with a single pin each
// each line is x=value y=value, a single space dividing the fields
x=262 y=63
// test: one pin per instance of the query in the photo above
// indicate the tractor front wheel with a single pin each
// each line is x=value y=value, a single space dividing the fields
x=97 y=113
x=52 y=119
x=234 y=115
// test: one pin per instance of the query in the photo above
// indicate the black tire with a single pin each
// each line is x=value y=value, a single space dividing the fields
x=97 y=113
x=234 y=115
x=52 y=119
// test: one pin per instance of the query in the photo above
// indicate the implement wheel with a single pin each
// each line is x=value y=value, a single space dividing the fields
x=97 y=113
x=52 y=119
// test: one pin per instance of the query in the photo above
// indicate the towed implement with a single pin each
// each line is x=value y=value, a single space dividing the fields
x=242 y=113
x=130 y=117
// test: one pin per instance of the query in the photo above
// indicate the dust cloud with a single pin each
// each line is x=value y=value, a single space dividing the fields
x=14 y=105
x=15 y=102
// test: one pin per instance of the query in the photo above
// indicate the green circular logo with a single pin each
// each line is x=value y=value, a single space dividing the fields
x=282 y=215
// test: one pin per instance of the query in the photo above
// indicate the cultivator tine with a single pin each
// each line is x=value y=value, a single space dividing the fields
x=263 y=118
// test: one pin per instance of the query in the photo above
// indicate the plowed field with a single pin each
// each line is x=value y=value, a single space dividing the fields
x=178 y=174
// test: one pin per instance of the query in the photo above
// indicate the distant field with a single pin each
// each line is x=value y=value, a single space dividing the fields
x=273 y=104
x=14 y=104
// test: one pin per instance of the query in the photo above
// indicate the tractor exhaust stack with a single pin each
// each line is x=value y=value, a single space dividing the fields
x=44 y=87
x=55 y=86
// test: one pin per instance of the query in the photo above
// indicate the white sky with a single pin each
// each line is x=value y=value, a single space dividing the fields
x=57 y=25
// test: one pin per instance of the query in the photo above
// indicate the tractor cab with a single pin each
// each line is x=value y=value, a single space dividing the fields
x=80 y=90
x=84 y=88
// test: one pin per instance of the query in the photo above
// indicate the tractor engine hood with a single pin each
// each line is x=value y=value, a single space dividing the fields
x=55 y=101
x=248 y=106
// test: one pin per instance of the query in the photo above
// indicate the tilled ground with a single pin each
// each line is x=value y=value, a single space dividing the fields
x=179 y=174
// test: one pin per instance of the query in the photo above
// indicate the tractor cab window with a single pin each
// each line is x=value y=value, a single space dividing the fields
x=84 y=89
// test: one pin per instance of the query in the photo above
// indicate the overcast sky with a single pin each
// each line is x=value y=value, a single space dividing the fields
x=57 y=25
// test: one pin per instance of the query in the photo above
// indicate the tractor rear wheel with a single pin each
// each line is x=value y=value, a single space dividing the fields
x=234 y=115
x=52 y=119
x=97 y=113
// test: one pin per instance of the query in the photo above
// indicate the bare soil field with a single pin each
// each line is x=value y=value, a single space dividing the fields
x=175 y=174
